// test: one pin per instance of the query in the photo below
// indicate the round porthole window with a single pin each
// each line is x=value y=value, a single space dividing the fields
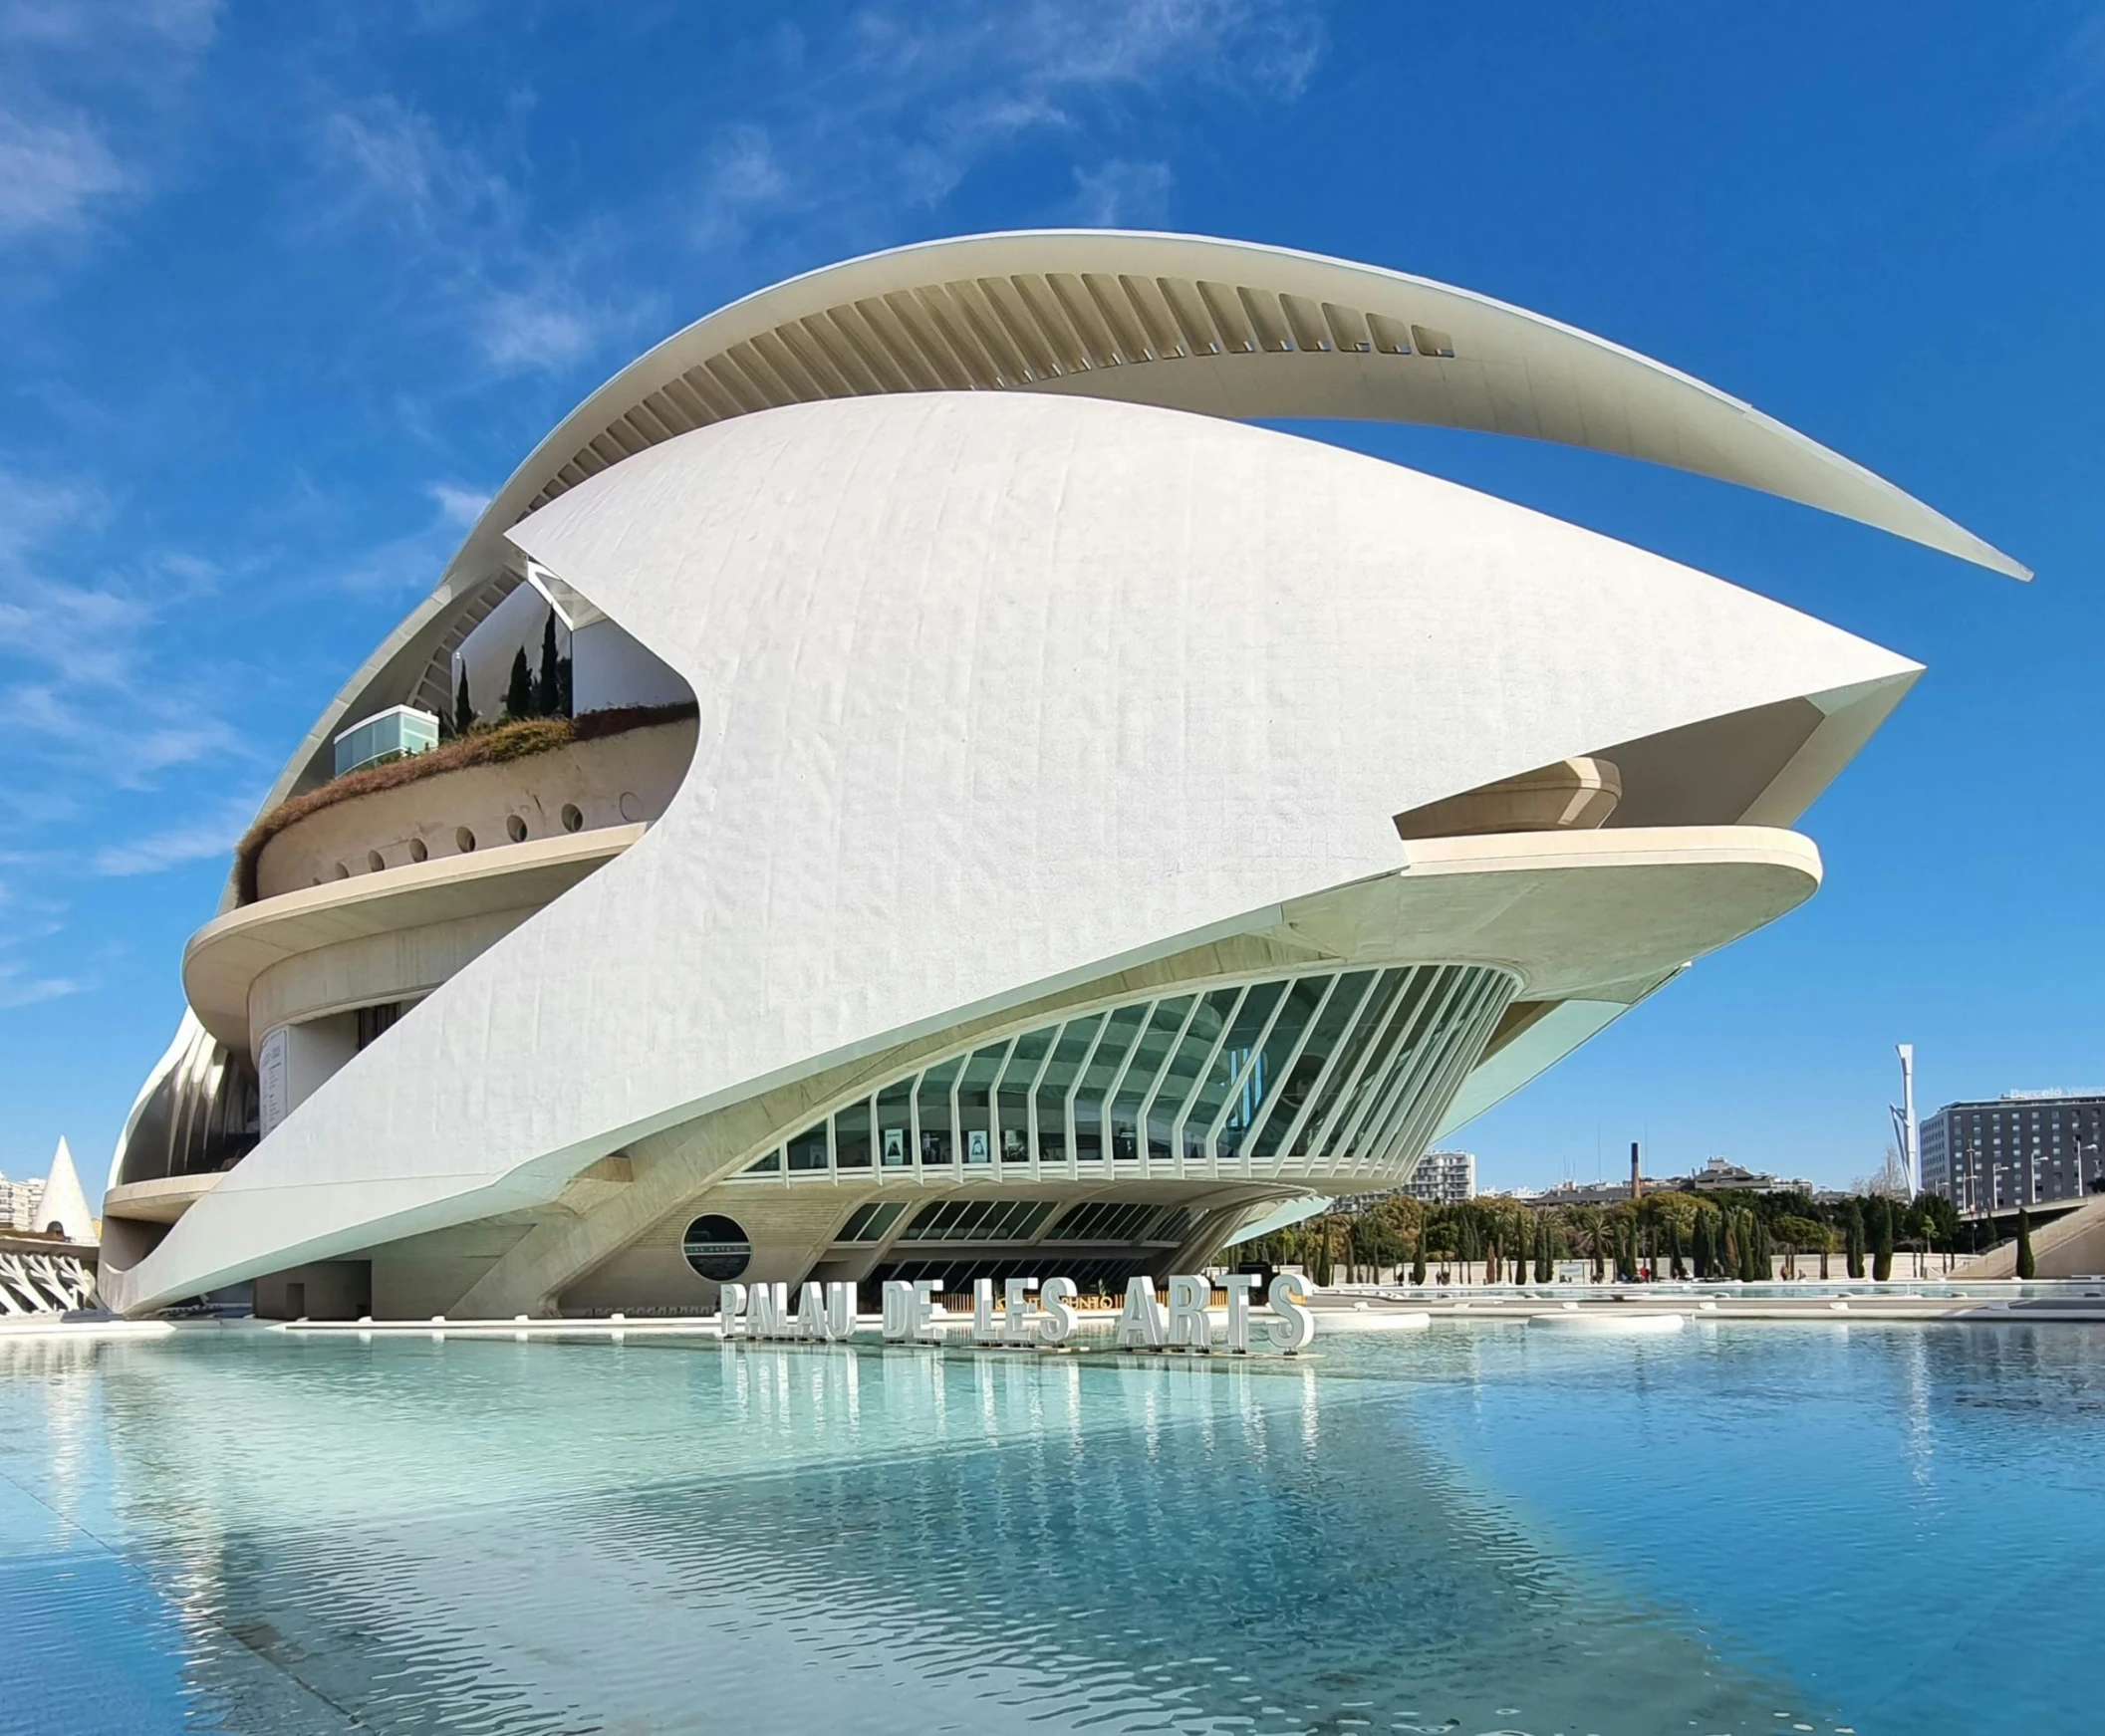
x=717 y=1249
x=375 y=862
x=464 y=840
x=515 y=829
x=418 y=850
x=573 y=818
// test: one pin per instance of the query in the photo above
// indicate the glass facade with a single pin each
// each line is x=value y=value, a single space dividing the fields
x=1328 y=1074
x=2026 y=1149
x=403 y=729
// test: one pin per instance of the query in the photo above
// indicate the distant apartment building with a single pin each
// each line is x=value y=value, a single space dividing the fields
x=18 y=1204
x=1717 y=1175
x=2025 y=1147
x=1721 y=1175
x=1444 y=1178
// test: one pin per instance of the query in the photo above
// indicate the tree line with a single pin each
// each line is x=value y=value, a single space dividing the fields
x=1662 y=1235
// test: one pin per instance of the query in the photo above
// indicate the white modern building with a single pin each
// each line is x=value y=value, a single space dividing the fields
x=1015 y=815
x=18 y=1204
x=1444 y=1178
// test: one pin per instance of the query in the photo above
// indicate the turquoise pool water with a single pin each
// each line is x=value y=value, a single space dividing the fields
x=1476 y=1528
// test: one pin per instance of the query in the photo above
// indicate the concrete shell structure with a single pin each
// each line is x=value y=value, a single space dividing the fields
x=1099 y=828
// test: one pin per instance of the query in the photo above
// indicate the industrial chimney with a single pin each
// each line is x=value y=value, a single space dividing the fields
x=1637 y=1174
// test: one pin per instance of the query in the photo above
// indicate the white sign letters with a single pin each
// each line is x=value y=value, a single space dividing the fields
x=1028 y=1315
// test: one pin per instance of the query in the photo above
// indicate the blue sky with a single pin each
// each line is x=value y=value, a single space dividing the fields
x=288 y=290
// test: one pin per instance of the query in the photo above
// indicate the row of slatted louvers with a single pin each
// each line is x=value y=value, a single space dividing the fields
x=988 y=333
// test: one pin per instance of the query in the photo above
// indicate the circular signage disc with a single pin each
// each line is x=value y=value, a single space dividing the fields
x=717 y=1248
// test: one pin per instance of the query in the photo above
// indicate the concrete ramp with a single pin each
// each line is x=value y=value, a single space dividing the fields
x=2069 y=1247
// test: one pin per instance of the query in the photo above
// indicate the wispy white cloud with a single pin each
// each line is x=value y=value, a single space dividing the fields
x=52 y=173
x=199 y=839
x=1123 y=194
x=462 y=233
x=80 y=82
x=181 y=26
x=21 y=988
x=893 y=117
x=2072 y=95
x=459 y=505
x=31 y=923
x=528 y=333
x=81 y=677
x=389 y=162
x=409 y=564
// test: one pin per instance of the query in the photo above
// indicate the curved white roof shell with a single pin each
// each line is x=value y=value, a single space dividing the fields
x=1001 y=694
x=1227 y=328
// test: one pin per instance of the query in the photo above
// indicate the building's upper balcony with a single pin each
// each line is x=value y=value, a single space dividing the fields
x=374 y=887
x=541 y=778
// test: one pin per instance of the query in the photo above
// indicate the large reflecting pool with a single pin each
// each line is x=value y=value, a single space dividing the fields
x=1478 y=1528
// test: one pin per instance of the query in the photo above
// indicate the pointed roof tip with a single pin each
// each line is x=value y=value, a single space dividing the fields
x=61 y=1203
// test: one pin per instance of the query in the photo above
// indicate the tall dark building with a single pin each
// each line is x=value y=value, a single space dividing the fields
x=2022 y=1148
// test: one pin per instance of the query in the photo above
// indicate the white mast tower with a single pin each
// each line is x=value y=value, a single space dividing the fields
x=1905 y=1134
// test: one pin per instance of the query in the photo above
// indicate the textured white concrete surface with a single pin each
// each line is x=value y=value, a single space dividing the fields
x=997 y=691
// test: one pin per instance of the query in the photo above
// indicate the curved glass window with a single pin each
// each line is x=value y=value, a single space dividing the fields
x=937 y=1140
x=1346 y=1065
x=1305 y=1070
x=807 y=1151
x=1174 y=1090
x=1253 y=1091
x=870 y=1223
x=895 y=1125
x=1012 y=1103
x=1149 y=1057
x=1119 y=1031
x=1077 y=1038
x=975 y=1103
x=851 y=1137
x=1229 y=1061
x=1325 y=1072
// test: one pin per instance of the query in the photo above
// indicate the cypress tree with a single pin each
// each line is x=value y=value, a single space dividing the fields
x=1853 y=1239
x=1417 y=1255
x=548 y=691
x=563 y=686
x=2026 y=1267
x=519 y=694
x=1881 y=1243
x=464 y=708
x=1545 y=1256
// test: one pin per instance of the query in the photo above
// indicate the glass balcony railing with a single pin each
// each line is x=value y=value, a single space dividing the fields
x=401 y=729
